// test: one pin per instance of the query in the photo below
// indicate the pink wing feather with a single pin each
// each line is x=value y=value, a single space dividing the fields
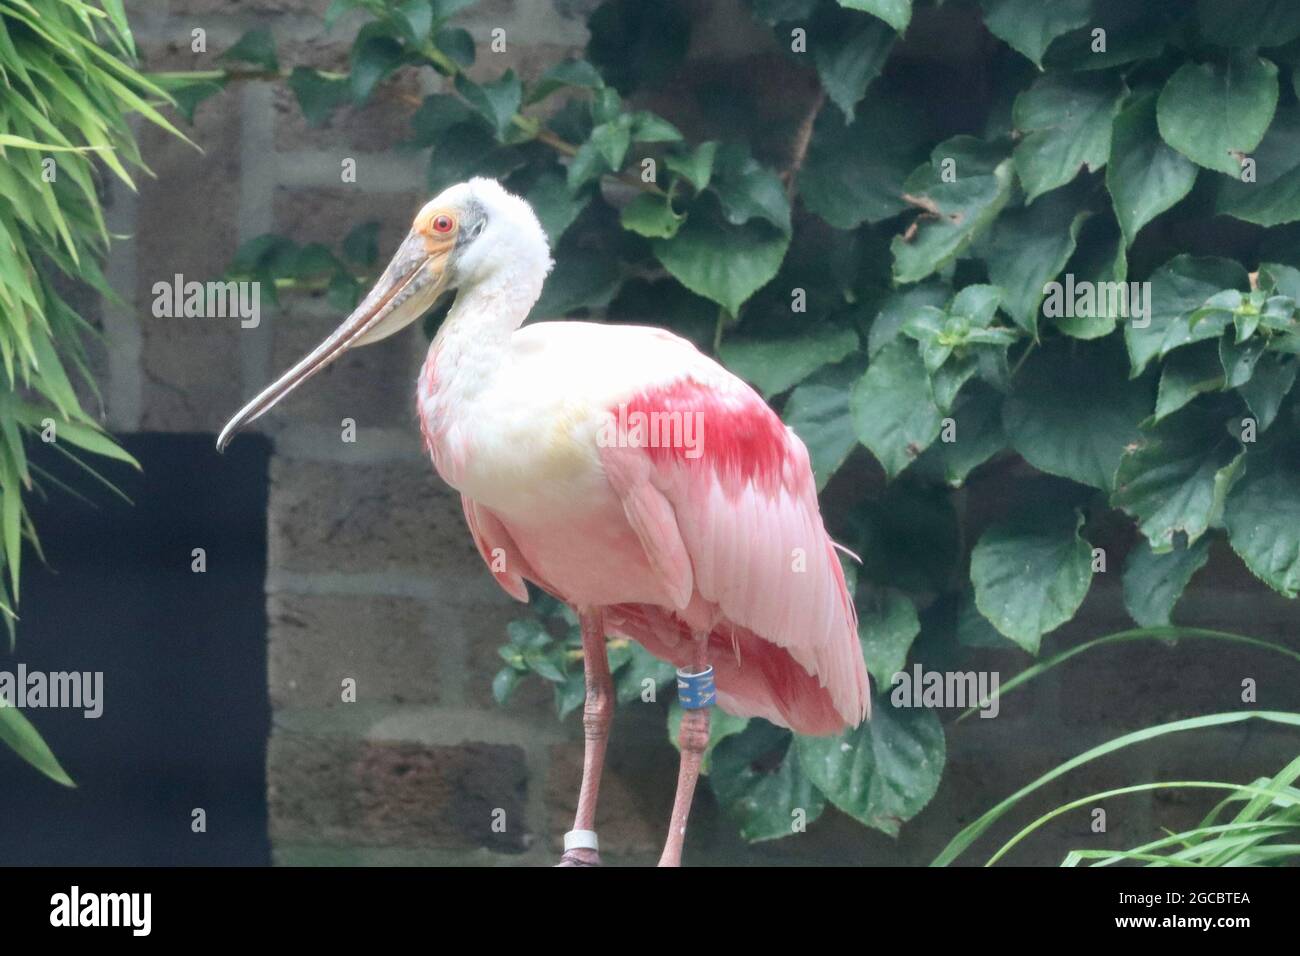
x=739 y=525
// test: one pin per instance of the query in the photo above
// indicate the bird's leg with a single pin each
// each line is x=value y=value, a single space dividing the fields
x=696 y=692
x=580 y=846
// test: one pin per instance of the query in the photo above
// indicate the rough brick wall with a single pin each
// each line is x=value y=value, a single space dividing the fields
x=373 y=577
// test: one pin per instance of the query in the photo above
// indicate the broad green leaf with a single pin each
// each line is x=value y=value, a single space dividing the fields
x=582 y=279
x=497 y=102
x=1095 y=294
x=469 y=149
x=1268 y=387
x=1174 y=477
x=1031 y=573
x=1248 y=23
x=1273 y=196
x=1145 y=177
x=604 y=152
x=1154 y=581
x=818 y=411
x=555 y=205
x=642 y=670
x=651 y=216
x=1030 y=26
x=1179 y=288
x=965 y=208
x=899 y=307
x=374 y=56
x=577 y=73
x=887 y=625
x=18 y=733
x=1262 y=513
x=885 y=771
x=1029 y=247
x=1066 y=122
x=1187 y=373
x=854 y=173
x=977 y=437
x=897 y=13
x=774 y=365
x=696 y=165
x=649 y=128
x=1056 y=430
x=318 y=95
x=747 y=189
x=1239 y=359
x=894 y=413
x=457 y=44
x=765 y=804
x=257 y=46
x=722 y=262
x=848 y=51
x=1216 y=113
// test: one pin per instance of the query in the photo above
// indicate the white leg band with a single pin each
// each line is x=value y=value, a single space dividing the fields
x=581 y=840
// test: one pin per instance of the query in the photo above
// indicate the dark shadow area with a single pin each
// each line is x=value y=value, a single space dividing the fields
x=183 y=655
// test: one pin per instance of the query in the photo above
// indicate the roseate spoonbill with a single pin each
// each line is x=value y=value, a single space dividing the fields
x=624 y=472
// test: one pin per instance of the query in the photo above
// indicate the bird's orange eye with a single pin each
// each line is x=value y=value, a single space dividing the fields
x=443 y=223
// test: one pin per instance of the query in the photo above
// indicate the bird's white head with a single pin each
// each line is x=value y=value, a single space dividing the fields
x=474 y=237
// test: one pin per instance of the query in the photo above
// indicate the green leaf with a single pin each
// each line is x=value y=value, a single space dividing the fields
x=18 y=733
x=1145 y=177
x=1248 y=23
x=497 y=102
x=848 y=52
x=649 y=128
x=556 y=207
x=775 y=365
x=1239 y=359
x=897 y=13
x=1214 y=113
x=1187 y=373
x=882 y=773
x=457 y=44
x=1056 y=432
x=577 y=73
x=894 y=413
x=1031 y=573
x=1179 y=288
x=375 y=54
x=766 y=805
x=854 y=173
x=722 y=262
x=318 y=96
x=1268 y=387
x=1174 y=478
x=1099 y=295
x=642 y=666
x=1066 y=121
x=696 y=166
x=1262 y=513
x=1154 y=581
x=887 y=626
x=899 y=307
x=1273 y=198
x=602 y=153
x=1030 y=26
x=749 y=190
x=582 y=278
x=416 y=19
x=965 y=207
x=651 y=216
x=818 y=411
x=977 y=437
x=257 y=46
x=469 y=149
x=1029 y=247
x=361 y=244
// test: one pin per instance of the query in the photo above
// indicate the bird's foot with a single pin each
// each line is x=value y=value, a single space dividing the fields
x=580 y=857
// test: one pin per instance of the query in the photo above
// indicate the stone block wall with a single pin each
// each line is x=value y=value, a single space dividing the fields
x=372 y=576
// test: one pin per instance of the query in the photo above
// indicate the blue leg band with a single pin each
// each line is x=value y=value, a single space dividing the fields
x=695 y=691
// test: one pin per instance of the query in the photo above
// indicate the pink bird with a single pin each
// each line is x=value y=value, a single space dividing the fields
x=627 y=474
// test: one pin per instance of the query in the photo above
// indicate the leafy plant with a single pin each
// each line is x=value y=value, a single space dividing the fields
x=1024 y=283
x=68 y=89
